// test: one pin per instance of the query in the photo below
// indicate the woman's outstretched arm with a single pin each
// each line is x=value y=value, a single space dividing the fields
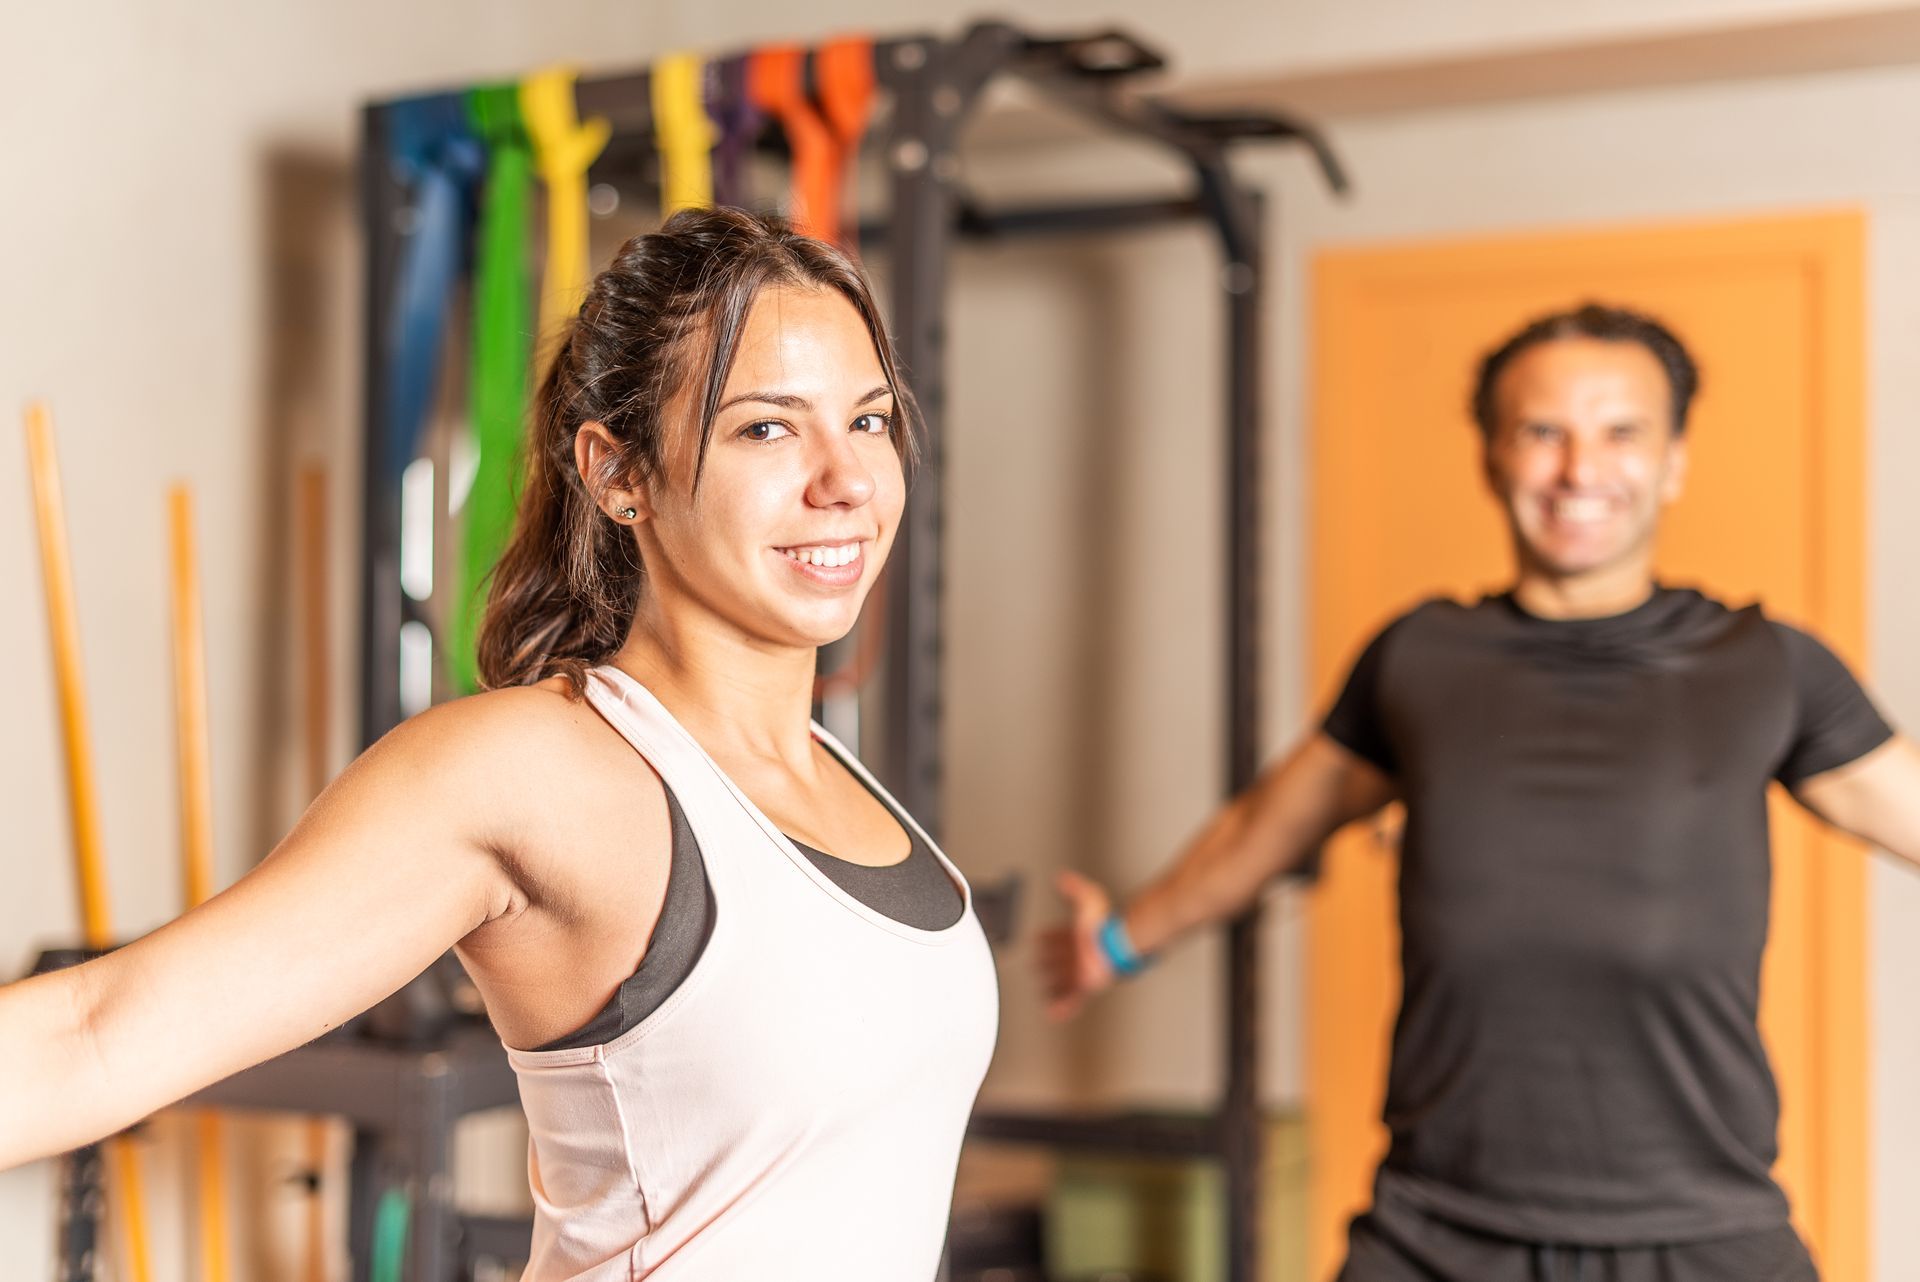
x=395 y=862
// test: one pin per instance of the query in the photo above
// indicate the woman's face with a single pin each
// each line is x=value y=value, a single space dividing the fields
x=802 y=487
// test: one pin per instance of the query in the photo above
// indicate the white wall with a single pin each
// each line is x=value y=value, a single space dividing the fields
x=178 y=263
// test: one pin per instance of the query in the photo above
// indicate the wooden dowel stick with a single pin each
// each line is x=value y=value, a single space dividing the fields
x=210 y=1150
x=133 y=1207
x=316 y=656
x=317 y=1149
x=63 y=619
x=190 y=704
x=196 y=833
x=311 y=536
x=83 y=802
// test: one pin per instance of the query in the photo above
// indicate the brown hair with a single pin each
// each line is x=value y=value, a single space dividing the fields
x=563 y=594
x=1608 y=325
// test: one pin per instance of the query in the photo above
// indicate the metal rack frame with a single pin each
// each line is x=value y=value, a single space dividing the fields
x=935 y=84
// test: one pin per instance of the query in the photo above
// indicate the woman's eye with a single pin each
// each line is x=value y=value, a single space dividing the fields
x=876 y=424
x=765 y=430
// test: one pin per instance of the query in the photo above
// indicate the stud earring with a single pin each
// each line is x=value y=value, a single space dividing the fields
x=628 y=513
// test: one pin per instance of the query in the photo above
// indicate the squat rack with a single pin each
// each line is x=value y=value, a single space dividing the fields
x=934 y=85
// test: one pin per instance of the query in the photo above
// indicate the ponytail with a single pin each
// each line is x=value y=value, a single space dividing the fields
x=564 y=591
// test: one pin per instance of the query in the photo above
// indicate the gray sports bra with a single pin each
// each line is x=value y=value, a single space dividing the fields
x=916 y=891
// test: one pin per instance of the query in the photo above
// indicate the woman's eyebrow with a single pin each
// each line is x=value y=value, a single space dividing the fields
x=782 y=399
x=787 y=401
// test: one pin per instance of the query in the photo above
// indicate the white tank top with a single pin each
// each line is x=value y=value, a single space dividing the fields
x=794 y=1109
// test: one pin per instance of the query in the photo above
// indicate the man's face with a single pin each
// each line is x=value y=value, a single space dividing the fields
x=1583 y=455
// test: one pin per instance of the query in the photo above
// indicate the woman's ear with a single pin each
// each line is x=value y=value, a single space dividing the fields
x=596 y=454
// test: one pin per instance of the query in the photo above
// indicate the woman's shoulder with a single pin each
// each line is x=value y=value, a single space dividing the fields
x=576 y=819
x=479 y=729
x=534 y=750
x=549 y=708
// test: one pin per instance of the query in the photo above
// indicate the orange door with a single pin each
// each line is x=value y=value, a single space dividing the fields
x=1773 y=310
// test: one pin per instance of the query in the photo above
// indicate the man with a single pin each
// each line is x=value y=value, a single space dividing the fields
x=1577 y=1085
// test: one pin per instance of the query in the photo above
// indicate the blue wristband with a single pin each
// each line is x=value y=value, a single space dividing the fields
x=1118 y=949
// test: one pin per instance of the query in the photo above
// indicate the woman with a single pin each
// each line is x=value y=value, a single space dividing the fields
x=740 y=1056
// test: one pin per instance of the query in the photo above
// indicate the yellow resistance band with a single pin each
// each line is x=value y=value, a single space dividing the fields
x=683 y=132
x=563 y=148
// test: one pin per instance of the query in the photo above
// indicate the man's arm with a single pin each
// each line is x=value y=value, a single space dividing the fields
x=1267 y=831
x=1875 y=798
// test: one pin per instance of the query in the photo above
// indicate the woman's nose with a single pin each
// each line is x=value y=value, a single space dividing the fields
x=841 y=478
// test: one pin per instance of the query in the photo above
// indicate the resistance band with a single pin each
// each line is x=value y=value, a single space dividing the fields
x=776 y=84
x=391 y=1222
x=739 y=123
x=501 y=365
x=196 y=835
x=83 y=801
x=844 y=71
x=563 y=149
x=683 y=133
x=437 y=156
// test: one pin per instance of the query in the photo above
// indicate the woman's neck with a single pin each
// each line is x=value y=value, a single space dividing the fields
x=735 y=695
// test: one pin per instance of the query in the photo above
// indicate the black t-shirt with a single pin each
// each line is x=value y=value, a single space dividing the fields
x=1584 y=880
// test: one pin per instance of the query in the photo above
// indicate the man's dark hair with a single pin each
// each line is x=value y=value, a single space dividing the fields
x=1609 y=325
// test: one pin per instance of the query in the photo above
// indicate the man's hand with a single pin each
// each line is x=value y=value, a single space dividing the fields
x=1072 y=965
x=1268 y=830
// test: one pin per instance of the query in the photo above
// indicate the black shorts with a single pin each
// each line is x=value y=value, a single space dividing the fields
x=1397 y=1243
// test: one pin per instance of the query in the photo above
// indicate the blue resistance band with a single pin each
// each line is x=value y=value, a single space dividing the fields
x=433 y=149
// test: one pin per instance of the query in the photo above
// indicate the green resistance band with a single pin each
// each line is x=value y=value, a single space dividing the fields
x=501 y=366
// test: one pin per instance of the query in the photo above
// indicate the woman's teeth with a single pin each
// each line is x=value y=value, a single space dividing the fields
x=828 y=557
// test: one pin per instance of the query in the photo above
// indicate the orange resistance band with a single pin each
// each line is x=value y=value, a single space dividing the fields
x=843 y=70
x=776 y=85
